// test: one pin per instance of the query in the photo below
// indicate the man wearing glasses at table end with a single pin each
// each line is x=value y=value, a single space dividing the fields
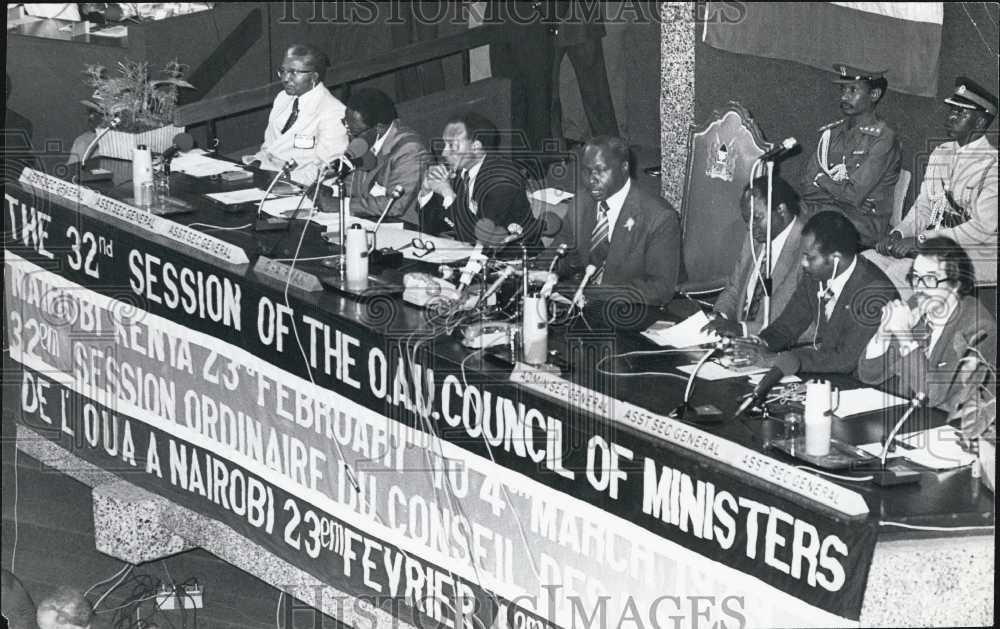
x=306 y=120
x=941 y=341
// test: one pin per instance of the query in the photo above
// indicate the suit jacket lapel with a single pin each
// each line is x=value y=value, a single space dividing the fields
x=944 y=350
x=621 y=239
x=789 y=256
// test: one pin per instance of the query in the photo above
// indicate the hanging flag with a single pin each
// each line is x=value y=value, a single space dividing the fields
x=904 y=38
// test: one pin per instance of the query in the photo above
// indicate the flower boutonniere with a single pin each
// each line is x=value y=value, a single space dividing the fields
x=629 y=224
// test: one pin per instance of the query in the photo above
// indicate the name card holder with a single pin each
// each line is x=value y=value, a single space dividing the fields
x=744 y=459
x=197 y=241
x=278 y=272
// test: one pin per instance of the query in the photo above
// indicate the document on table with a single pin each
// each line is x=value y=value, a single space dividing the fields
x=197 y=163
x=445 y=250
x=236 y=197
x=278 y=206
x=552 y=196
x=687 y=333
x=865 y=400
x=936 y=448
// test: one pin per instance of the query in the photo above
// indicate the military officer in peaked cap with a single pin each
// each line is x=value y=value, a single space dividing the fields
x=958 y=195
x=856 y=163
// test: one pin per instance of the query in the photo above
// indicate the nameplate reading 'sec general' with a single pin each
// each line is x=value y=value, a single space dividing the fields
x=284 y=274
x=706 y=444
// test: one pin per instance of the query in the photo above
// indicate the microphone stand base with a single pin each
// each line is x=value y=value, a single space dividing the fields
x=270 y=225
x=891 y=476
x=705 y=415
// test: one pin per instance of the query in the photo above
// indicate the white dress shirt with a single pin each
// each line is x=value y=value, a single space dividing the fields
x=615 y=203
x=777 y=244
x=316 y=138
x=836 y=287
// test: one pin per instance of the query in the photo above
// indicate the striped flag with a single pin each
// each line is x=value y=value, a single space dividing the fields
x=904 y=38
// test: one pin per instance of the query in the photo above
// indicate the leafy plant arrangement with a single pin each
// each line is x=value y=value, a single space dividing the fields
x=138 y=101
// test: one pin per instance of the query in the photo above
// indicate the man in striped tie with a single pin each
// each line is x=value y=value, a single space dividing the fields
x=631 y=237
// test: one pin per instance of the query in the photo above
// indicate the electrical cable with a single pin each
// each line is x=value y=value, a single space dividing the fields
x=855 y=479
x=112 y=588
x=918 y=527
x=111 y=578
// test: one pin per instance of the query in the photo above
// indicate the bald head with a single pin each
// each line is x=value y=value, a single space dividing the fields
x=66 y=608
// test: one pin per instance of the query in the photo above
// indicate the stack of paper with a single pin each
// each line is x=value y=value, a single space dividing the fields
x=865 y=400
x=197 y=164
x=687 y=333
x=937 y=448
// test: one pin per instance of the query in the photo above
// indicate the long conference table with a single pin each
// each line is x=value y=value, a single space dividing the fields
x=354 y=439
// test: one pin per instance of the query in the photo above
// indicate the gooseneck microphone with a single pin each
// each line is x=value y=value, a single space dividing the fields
x=587 y=274
x=560 y=252
x=357 y=156
x=265 y=225
x=182 y=142
x=915 y=403
x=394 y=195
x=85 y=175
x=771 y=378
x=683 y=412
x=779 y=151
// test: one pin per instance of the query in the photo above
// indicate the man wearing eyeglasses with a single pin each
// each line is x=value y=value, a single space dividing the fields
x=941 y=342
x=306 y=120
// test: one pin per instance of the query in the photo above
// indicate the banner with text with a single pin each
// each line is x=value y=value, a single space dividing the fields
x=457 y=498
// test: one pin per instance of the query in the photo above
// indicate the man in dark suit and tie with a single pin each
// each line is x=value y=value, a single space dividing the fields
x=739 y=309
x=474 y=184
x=400 y=156
x=631 y=237
x=841 y=292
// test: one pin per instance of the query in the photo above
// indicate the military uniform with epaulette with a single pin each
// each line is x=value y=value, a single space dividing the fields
x=854 y=170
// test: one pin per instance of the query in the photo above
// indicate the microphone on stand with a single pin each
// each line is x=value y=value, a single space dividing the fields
x=578 y=295
x=268 y=225
x=357 y=156
x=507 y=271
x=771 y=378
x=473 y=266
x=780 y=151
x=560 y=252
x=888 y=477
x=394 y=195
x=182 y=142
x=684 y=412
x=86 y=175
x=386 y=257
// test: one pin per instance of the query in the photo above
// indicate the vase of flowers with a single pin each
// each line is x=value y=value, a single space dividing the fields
x=143 y=107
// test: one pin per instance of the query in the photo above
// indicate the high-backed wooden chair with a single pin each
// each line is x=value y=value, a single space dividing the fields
x=720 y=156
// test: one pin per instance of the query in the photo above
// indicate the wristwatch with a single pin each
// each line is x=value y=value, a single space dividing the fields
x=922 y=238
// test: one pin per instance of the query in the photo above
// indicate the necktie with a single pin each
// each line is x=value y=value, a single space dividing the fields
x=462 y=189
x=752 y=306
x=600 y=241
x=292 y=117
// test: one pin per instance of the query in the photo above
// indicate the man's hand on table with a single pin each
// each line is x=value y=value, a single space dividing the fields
x=722 y=326
x=749 y=351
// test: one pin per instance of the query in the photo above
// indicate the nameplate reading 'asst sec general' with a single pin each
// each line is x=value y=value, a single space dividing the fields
x=706 y=444
x=200 y=242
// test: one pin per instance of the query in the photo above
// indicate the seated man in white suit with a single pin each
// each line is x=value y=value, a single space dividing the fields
x=306 y=123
